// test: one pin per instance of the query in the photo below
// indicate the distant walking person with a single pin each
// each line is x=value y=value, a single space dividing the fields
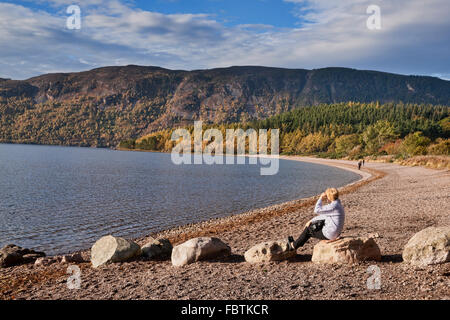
x=364 y=162
x=359 y=164
x=327 y=225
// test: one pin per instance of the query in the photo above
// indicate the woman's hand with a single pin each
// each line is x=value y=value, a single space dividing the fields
x=323 y=196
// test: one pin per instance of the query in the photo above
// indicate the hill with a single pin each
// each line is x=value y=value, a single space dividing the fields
x=104 y=106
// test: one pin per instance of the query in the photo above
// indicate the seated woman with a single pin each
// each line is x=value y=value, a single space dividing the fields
x=327 y=225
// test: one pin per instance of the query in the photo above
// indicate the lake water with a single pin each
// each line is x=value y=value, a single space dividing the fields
x=61 y=199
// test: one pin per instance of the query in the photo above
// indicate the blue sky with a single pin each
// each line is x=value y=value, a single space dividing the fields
x=197 y=34
x=231 y=12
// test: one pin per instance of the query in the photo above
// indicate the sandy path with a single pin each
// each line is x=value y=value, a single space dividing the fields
x=399 y=204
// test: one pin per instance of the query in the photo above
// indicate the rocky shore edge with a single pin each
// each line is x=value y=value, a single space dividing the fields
x=392 y=223
x=210 y=227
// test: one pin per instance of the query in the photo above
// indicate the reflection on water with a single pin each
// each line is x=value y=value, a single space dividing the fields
x=60 y=199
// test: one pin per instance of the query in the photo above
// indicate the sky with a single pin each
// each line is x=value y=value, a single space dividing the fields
x=413 y=35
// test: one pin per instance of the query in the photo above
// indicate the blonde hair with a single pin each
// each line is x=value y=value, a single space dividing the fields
x=332 y=194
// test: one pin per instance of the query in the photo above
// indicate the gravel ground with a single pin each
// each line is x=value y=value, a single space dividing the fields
x=395 y=202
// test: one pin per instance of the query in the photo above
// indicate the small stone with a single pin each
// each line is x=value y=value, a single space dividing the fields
x=72 y=258
x=157 y=248
x=45 y=261
x=31 y=258
x=375 y=235
x=306 y=284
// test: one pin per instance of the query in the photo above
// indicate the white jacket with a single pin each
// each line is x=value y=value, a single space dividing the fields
x=334 y=217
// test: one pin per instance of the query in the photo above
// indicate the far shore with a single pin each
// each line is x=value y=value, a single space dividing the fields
x=439 y=162
x=391 y=201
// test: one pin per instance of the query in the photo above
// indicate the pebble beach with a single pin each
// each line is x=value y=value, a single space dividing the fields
x=390 y=203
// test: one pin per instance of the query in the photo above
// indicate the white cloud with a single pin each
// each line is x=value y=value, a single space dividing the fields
x=413 y=38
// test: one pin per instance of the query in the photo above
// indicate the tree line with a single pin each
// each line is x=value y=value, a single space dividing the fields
x=352 y=130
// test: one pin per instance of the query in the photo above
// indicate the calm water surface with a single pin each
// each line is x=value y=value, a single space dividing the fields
x=60 y=199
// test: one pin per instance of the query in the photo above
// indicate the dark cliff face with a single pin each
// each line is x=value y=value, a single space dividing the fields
x=13 y=88
x=332 y=85
x=102 y=82
x=149 y=98
x=327 y=85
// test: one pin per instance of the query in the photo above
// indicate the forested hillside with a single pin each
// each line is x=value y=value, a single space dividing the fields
x=104 y=106
x=351 y=130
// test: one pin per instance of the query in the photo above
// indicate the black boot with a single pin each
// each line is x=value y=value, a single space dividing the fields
x=290 y=243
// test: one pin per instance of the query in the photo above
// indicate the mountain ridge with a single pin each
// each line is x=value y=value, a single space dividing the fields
x=117 y=102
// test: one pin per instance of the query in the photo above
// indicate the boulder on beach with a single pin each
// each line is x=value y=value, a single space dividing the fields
x=269 y=251
x=427 y=247
x=12 y=255
x=111 y=249
x=347 y=250
x=199 y=249
x=157 y=249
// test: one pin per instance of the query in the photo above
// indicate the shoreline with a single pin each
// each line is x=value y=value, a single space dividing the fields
x=181 y=233
x=184 y=232
x=210 y=227
x=394 y=203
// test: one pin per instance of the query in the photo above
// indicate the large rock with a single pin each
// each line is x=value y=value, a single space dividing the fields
x=157 y=249
x=429 y=246
x=269 y=251
x=111 y=249
x=346 y=250
x=12 y=255
x=198 y=249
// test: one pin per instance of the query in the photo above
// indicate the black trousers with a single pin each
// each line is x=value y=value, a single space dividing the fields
x=314 y=230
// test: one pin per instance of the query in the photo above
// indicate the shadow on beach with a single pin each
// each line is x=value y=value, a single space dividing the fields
x=394 y=258
x=233 y=258
x=301 y=258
